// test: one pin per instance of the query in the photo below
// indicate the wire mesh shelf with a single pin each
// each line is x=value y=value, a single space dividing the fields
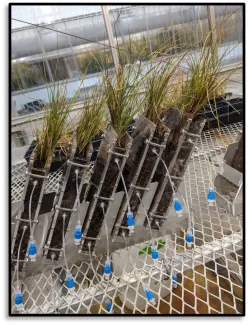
x=209 y=274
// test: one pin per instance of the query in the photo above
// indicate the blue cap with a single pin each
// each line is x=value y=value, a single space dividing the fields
x=107 y=268
x=189 y=237
x=211 y=194
x=177 y=205
x=130 y=221
x=154 y=254
x=149 y=294
x=77 y=234
x=174 y=278
x=32 y=249
x=108 y=305
x=18 y=299
x=70 y=282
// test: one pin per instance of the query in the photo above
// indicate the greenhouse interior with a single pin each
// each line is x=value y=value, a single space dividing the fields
x=126 y=159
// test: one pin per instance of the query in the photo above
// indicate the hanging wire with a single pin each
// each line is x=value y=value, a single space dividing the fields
x=167 y=171
x=52 y=289
x=173 y=187
x=106 y=227
x=99 y=281
x=146 y=289
x=124 y=184
x=100 y=43
x=208 y=167
x=18 y=256
x=13 y=278
x=69 y=34
x=150 y=228
x=63 y=235
x=131 y=260
x=29 y=210
x=78 y=199
x=187 y=201
x=91 y=264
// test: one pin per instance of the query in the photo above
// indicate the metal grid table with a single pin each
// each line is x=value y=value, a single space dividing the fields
x=209 y=274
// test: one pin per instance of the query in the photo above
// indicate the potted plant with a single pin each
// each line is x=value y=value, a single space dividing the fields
x=192 y=92
x=142 y=162
x=54 y=129
x=121 y=92
x=89 y=125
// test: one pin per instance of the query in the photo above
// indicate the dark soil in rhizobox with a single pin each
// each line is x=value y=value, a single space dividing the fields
x=160 y=137
x=38 y=169
x=173 y=121
x=69 y=198
x=109 y=182
x=144 y=130
x=60 y=155
x=178 y=170
x=177 y=122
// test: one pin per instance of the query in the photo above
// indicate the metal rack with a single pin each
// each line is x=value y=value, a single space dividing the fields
x=210 y=274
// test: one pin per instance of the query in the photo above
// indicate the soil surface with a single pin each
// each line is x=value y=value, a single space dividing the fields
x=179 y=167
x=25 y=214
x=160 y=136
x=69 y=198
x=108 y=185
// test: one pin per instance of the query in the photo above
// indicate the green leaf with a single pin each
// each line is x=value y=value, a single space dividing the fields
x=148 y=249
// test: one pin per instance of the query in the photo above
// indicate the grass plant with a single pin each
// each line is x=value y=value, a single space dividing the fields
x=121 y=91
x=91 y=119
x=55 y=125
x=158 y=86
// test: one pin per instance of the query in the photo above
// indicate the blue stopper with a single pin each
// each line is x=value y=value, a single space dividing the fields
x=174 y=278
x=130 y=221
x=149 y=294
x=18 y=298
x=77 y=234
x=189 y=237
x=32 y=249
x=107 y=268
x=154 y=253
x=70 y=282
x=108 y=305
x=177 y=205
x=211 y=194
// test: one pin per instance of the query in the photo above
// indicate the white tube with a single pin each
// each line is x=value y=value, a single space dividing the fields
x=18 y=256
x=63 y=236
x=106 y=227
x=124 y=184
x=78 y=200
x=29 y=207
x=153 y=241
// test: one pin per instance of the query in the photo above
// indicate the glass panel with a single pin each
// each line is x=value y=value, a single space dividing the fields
x=58 y=68
x=28 y=75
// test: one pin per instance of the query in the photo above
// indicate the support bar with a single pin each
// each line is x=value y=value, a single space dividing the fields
x=153 y=144
x=77 y=165
x=140 y=188
x=37 y=176
x=104 y=198
x=65 y=209
x=27 y=220
x=191 y=134
x=156 y=216
x=117 y=154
